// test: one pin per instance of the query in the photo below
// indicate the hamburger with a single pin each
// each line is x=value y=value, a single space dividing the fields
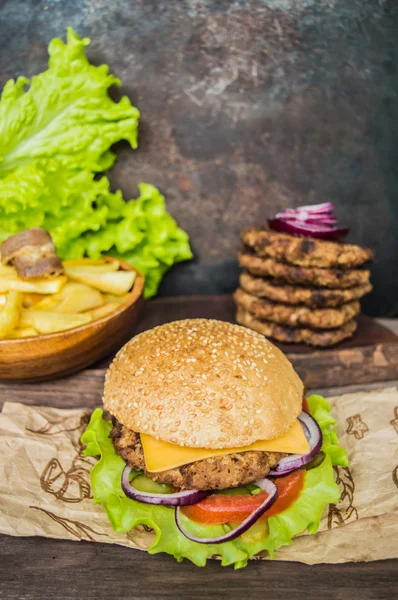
x=211 y=448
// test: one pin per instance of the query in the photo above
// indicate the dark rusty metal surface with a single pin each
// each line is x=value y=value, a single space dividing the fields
x=247 y=107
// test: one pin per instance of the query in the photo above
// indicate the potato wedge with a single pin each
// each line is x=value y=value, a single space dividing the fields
x=39 y=285
x=104 y=310
x=22 y=333
x=30 y=299
x=75 y=262
x=51 y=322
x=101 y=267
x=10 y=313
x=76 y=297
x=47 y=303
x=117 y=283
x=113 y=299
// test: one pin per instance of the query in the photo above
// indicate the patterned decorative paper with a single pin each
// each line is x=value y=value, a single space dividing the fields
x=45 y=482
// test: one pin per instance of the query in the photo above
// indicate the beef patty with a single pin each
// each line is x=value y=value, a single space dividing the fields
x=216 y=473
x=296 y=316
x=303 y=251
x=310 y=296
x=314 y=276
x=296 y=335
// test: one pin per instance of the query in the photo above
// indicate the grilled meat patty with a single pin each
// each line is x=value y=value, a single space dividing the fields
x=296 y=316
x=329 y=278
x=304 y=252
x=217 y=473
x=310 y=296
x=296 y=335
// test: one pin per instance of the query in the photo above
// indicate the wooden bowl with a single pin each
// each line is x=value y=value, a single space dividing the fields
x=58 y=354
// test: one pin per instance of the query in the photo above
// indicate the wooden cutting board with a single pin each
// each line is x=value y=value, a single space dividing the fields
x=370 y=355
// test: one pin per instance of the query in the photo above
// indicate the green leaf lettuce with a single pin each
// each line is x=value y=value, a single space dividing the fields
x=56 y=132
x=66 y=113
x=124 y=514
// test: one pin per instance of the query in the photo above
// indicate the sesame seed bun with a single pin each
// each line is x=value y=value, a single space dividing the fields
x=203 y=383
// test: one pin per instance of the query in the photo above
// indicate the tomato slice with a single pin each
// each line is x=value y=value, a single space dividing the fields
x=306 y=408
x=218 y=508
x=289 y=489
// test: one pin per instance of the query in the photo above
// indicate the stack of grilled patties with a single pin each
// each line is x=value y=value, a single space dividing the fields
x=300 y=290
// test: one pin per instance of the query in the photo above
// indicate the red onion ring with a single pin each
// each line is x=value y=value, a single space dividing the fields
x=320 y=220
x=266 y=485
x=184 y=498
x=313 y=434
x=316 y=210
x=296 y=227
x=324 y=207
x=315 y=221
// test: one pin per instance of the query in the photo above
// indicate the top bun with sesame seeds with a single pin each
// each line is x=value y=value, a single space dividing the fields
x=203 y=383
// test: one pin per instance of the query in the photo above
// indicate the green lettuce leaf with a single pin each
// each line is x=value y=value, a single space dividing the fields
x=320 y=410
x=124 y=514
x=56 y=132
x=143 y=234
x=66 y=113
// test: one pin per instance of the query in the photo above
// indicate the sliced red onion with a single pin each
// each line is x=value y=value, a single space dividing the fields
x=305 y=217
x=184 y=498
x=303 y=228
x=324 y=207
x=315 y=221
x=313 y=434
x=319 y=213
x=266 y=485
x=321 y=220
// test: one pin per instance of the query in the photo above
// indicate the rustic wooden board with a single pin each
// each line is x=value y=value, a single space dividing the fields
x=370 y=355
x=85 y=389
x=37 y=568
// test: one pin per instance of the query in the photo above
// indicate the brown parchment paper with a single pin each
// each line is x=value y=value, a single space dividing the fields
x=45 y=482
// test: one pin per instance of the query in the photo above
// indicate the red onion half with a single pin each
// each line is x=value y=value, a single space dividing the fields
x=266 y=485
x=290 y=463
x=184 y=498
x=315 y=221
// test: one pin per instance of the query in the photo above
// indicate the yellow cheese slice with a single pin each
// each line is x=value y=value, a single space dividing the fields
x=161 y=456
